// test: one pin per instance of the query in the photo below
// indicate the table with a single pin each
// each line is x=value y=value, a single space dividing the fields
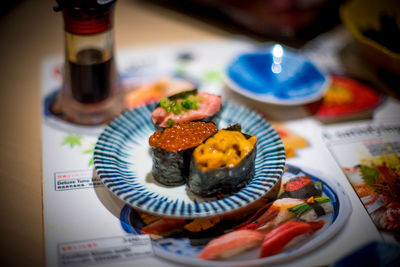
x=30 y=32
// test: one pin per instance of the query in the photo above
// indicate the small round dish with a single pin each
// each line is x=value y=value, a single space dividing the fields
x=346 y=99
x=123 y=161
x=276 y=75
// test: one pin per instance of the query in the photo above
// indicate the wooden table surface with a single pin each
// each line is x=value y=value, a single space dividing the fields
x=30 y=32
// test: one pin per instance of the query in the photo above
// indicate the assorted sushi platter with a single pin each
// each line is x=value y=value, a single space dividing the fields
x=204 y=179
x=190 y=155
x=308 y=211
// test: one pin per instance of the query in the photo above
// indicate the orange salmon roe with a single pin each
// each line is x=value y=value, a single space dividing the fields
x=182 y=136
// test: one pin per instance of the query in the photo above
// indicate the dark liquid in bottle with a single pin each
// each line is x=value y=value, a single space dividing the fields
x=91 y=78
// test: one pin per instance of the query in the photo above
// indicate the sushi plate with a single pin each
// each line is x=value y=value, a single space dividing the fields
x=122 y=158
x=346 y=99
x=276 y=75
x=185 y=250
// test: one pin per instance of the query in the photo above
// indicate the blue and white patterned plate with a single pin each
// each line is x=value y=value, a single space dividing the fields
x=184 y=249
x=276 y=75
x=122 y=158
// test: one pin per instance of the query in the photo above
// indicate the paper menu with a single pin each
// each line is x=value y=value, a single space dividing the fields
x=369 y=154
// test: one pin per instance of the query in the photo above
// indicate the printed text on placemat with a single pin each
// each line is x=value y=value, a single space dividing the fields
x=71 y=180
x=106 y=250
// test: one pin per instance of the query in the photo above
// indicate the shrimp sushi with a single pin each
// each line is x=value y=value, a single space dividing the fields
x=278 y=213
x=224 y=163
x=172 y=150
x=231 y=244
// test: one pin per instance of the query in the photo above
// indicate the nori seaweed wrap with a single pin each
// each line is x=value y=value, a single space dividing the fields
x=228 y=165
x=170 y=168
x=172 y=150
x=301 y=187
x=186 y=106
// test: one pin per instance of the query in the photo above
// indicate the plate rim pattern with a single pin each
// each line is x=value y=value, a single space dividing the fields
x=111 y=163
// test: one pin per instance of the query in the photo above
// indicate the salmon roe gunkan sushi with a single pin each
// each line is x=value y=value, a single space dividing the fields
x=182 y=136
x=172 y=150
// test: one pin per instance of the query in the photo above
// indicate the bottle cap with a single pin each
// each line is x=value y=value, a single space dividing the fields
x=85 y=17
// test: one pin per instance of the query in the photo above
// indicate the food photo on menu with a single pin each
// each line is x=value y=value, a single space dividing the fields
x=230 y=152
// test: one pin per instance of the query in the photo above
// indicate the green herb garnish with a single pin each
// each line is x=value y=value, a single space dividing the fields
x=369 y=175
x=190 y=104
x=170 y=122
x=186 y=104
x=176 y=105
x=164 y=102
x=303 y=208
x=195 y=105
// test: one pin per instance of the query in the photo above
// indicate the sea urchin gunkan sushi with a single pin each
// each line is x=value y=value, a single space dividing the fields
x=224 y=163
x=173 y=147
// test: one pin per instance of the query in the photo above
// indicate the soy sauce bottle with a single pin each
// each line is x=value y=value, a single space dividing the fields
x=91 y=92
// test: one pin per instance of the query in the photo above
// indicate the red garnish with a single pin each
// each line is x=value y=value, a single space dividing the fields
x=297 y=183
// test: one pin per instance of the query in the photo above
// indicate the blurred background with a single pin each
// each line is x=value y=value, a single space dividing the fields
x=292 y=22
x=31 y=31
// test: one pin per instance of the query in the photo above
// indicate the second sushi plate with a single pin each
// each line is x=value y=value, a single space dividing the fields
x=186 y=247
x=122 y=159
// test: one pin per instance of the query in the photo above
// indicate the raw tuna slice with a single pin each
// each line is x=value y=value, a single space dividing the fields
x=209 y=105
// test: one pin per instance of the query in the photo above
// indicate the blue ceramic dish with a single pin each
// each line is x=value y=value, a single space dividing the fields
x=276 y=75
x=184 y=249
